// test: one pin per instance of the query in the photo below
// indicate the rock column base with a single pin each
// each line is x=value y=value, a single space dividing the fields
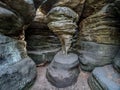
x=63 y=71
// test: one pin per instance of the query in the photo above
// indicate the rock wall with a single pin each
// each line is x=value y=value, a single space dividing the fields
x=99 y=35
x=38 y=30
x=17 y=70
x=98 y=42
x=42 y=43
x=108 y=77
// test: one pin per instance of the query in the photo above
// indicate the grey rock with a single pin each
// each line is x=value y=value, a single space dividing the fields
x=24 y=8
x=93 y=55
x=36 y=57
x=104 y=78
x=62 y=78
x=10 y=22
x=42 y=44
x=116 y=62
x=63 y=70
x=18 y=76
x=17 y=70
x=62 y=61
x=42 y=56
x=11 y=50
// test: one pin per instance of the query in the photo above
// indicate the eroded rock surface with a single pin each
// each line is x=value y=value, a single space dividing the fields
x=116 y=62
x=104 y=78
x=42 y=43
x=62 y=21
x=47 y=5
x=99 y=37
x=63 y=71
x=17 y=70
x=18 y=76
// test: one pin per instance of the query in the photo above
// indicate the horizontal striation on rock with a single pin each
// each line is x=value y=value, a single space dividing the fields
x=62 y=21
x=99 y=37
x=101 y=28
x=24 y=8
x=42 y=43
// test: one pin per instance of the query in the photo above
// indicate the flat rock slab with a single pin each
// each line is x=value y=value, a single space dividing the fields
x=42 y=83
x=63 y=71
x=104 y=78
x=63 y=61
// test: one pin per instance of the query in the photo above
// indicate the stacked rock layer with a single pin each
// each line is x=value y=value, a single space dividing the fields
x=62 y=21
x=108 y=77
x=42 y=43
x=17 y=70
x=99 y=38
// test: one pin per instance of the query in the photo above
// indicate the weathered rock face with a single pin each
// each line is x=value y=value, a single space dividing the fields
x=10 y=22
x=63 y=71
x=26 y=11
x=107 y=77
x=99 y=37
x=93 y=54
x=62 y=21
x=42 y=44
x=17 y=70
x=116 y=62
x=104 y=78
x=47 y=5
x=93 y=6
x=18 y=76
x=11 y=50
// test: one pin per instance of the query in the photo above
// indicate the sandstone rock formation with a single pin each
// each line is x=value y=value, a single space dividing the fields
x=47 y=5
x=63 y=71
x=99 y=37
x=108 y=77
x=116 y=62
x=62 y=21
x=104 y=78
x=17 y=70
x=99 y=42
x=42 y=43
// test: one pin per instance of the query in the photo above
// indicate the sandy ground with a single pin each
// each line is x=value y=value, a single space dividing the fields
x=41 y=82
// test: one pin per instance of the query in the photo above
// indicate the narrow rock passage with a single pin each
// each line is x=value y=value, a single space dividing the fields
x=41 y=82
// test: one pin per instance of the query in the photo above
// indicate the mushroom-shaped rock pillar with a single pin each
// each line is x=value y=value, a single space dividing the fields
x=62 y=21
x=63 y=71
